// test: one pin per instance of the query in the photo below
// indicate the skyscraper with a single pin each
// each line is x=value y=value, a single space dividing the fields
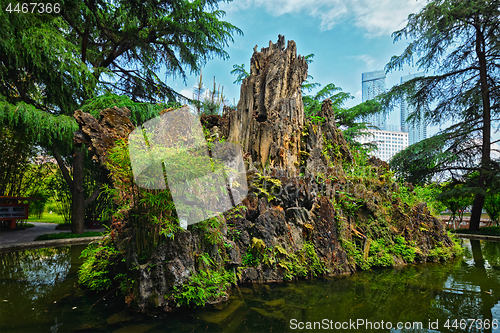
x=418 y=130
x=372 y=85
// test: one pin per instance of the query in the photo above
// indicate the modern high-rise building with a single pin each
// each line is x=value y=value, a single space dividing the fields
x=388 y=142
x=372 y=85
x=389 y=139
x=417 y=130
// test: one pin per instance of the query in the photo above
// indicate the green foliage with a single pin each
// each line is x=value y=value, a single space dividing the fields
x=204 y=286
x=302 y=263
x=207 y=284
x=379 y=252
x=442 y=252
x=41 y=66
x=154 y=216
x=39 y=127
x=21 y=174
x=306 y=85
x=54 y=59
x=317 y=120
x=94 y=273
x=456 y=196
x=209 y=102
x=312 y=103
x=426 y=193
x=492 y=206
x=351 y=121
x=266 y=186
x=51 y=64
x=240 y=72
x=420 y=161
x=456 y=41
x=212 y=227
x=402 y=249
x=60 y=195
x=249 y=259
x=139 y=112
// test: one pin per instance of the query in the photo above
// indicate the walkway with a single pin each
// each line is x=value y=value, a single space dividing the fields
x=20 y=239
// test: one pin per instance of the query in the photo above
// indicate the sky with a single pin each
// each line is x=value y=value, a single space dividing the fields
x=347 y=37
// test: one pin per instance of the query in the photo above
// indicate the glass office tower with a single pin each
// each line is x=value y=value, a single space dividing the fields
x=418 y=130
x=372 y=85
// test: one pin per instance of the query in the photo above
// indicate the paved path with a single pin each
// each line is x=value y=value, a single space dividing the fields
x=18 y=238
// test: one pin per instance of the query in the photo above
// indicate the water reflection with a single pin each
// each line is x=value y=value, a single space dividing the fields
x=32 y=281
x=431 y=293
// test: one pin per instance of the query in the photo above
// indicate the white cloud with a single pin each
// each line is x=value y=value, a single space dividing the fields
x=369 y=61
x=380 y=17
x=187 y=92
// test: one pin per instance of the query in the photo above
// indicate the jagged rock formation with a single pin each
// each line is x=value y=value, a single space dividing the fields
x=314 y=207
x=100 y=135
x=270 y=113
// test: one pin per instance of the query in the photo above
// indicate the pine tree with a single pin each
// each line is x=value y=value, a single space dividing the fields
x=456 y=41
x=52 y=63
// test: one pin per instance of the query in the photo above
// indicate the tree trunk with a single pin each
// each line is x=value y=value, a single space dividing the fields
x=484 y=181
x=475 y=216
x=78 y=196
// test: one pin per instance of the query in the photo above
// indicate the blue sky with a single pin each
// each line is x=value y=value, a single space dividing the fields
x=348 y=38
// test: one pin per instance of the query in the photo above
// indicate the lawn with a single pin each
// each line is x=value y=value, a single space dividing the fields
x=47 y=218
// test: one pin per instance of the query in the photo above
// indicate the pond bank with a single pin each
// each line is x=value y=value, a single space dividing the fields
x=47 y=243
x=25 y=239
x=480 y=237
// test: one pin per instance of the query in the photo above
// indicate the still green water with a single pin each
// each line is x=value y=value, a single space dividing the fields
x=39 y=293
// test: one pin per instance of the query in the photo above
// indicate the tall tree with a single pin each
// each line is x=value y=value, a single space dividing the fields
x=457 y=42
x=52 y=62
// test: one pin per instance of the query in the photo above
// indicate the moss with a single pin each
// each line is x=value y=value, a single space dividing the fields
x=379 y=252
x=442 y=252
x=301 y=263
x=98 y=269
x=204 y=286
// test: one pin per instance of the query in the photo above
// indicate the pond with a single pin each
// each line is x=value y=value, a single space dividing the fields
x=39 y=293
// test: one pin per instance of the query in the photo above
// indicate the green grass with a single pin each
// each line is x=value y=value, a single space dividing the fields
x=65 y=235
x=47 y=218
x=490 y=231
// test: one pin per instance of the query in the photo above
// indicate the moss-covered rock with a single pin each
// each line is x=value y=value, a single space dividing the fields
x=315 y=207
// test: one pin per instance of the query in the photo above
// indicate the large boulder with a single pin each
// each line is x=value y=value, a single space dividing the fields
x=270 y=114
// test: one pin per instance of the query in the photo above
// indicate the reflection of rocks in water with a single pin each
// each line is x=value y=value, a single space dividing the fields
x=120 y=317
x=276 y=304
x=270 y=315
x=225 y=314
x=136 y=328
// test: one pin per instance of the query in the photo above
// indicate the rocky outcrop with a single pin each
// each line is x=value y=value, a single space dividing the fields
x=270 y=115
x=314 y=207
x=100 y=135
